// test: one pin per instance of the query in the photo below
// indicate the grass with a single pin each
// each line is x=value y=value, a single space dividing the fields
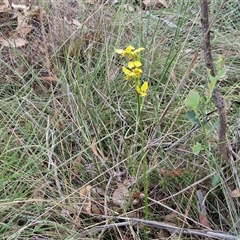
x=61 y=136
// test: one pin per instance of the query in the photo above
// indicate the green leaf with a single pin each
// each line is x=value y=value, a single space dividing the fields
x=212 y=79
x=214 y=126
x=197 y=148
x=221 y=73
x=192 y=117
x=216 y=180
x=192 y=100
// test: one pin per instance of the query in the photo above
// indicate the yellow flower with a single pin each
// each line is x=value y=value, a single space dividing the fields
x=122 y=52
x=134 y=64
x=127 y=72
x=139 y=50
x=134 y=53
x=142 y=91
x=129 y=50
x=136 y=72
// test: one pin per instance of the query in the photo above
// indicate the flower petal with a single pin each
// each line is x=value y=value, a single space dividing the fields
x=119 y=51
x=137 y=72
x=126 y=71
x=144 y=87
x=138 y=89
x=142 y=91
x=137 y=64
x=139 y=50
x=131 y=65
x=129 y=49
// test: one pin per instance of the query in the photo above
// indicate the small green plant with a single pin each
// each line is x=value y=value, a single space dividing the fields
x=132 y=71
x=198 y=103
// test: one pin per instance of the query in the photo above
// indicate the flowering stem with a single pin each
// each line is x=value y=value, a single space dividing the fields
x=143 y=155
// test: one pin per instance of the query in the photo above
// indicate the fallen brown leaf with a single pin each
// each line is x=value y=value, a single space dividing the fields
x=25 y=6
x=155 y=4
x=235 y=193
x=83 y=192
x=173 y=173
x=4 y=6
x=203 y=220
x=49 y=79
x=119 y=195
x=85 y=197
x=13 y=42
x=23 y=31
x=95 y=209
x=202 y=211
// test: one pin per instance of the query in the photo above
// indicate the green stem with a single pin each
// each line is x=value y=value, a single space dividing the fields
x=143 y=155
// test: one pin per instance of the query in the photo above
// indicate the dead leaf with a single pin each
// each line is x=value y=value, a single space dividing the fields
x=173 y=173
x=4 y=6
x=22 y=19
x=49 y=79
x=202 y=211
x=203 y=220
x=23 y=31
x=24 y=5
x=13 y=42
x=155 y=4
x=235 y=193
x=95 y=209
x=96 y=151
x=79 y=25
x=119 y=195
x=85 y=197
x=84 y=191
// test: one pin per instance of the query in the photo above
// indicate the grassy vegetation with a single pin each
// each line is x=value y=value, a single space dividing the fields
x=70 y=147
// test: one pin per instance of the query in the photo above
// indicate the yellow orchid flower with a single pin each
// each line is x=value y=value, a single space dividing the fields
x=139 y=50
x=142 y=91
x=122 y=52
x=128 y=73
x=136 y=72
x=134 y=53
x=129 y=50
x=133 y=64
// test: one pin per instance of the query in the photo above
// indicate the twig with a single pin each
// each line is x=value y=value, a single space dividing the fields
x=217 y=97
x=159 y=225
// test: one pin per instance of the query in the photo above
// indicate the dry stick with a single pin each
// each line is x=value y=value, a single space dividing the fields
x=158 y=225
x=217 y=97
